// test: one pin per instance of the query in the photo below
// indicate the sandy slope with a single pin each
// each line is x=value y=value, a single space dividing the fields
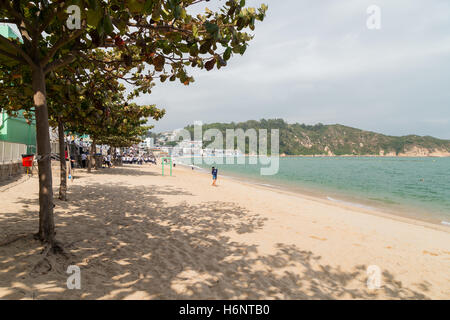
x=138 y=235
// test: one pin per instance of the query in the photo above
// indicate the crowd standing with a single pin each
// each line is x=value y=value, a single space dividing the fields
x=136 y=159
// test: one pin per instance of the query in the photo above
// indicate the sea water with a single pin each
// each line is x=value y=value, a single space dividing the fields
x=414 y=187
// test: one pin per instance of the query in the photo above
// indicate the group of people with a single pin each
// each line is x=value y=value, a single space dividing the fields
x=134 y=159
x=107 y=161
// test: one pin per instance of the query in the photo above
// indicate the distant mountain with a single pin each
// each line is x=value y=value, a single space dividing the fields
x=301 y=139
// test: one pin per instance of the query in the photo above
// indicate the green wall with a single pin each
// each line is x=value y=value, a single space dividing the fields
x=16 y=129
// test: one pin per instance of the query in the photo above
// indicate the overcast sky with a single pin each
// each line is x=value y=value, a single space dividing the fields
x=316 y=61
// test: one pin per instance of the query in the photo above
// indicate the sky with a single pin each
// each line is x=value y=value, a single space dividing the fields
x=317 y=61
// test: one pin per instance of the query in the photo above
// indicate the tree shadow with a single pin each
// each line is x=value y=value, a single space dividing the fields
x=130 y=243
x=117 y=171
x=9 y=180
x=123 y=171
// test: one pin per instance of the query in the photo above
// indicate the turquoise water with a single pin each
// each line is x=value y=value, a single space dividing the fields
x=415 y=187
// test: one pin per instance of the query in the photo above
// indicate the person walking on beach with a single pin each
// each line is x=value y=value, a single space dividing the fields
x=83 y=160
x=214 y=175
x=108 y=160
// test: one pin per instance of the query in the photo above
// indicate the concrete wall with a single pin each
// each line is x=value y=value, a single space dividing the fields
x=10 y=170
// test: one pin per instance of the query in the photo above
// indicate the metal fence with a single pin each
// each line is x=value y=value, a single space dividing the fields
x=11 y=152
x=54 y=147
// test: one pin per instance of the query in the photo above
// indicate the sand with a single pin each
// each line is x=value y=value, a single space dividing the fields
x=138 y=235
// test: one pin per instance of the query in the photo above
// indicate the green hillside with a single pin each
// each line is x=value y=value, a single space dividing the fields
x=301 y=139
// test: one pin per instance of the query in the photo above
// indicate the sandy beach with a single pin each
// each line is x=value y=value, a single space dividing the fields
x=138 y=235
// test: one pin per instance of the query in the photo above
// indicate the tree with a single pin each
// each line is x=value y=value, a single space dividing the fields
x=85 y=107
x=160 y=32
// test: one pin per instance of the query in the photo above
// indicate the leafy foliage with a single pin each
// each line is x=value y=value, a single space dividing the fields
x=140 y=41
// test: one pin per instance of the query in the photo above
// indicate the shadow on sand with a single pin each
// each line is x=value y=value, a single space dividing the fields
x=129 y=170
x=129 y=243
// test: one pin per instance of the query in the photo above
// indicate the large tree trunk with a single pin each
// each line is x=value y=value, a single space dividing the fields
x=98 y=162
x=91 y=156
x=62 y=161
x=46 y=223
x=114 y=156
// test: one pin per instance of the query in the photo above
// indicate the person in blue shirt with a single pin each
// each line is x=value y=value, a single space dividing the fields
x=214 y=175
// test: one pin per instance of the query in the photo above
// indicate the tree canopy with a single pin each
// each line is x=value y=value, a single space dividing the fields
x=136 y=41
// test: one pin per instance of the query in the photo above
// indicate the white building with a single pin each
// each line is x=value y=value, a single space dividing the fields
x=148 y=143
x=190 y=148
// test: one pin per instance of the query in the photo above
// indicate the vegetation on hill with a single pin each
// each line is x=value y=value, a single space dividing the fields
x=320 y=139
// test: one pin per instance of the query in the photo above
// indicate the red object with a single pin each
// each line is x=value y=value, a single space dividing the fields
x=27 y=160
x=65 y=152
x=119 y=41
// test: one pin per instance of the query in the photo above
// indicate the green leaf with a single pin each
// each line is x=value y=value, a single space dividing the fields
x=195 y=31
x=107 y=24
x=148 y=7
x=227 y=54
x=177 y=12
x=93 y=18
x=211 y=27
x=193 y=50
x=136 y=6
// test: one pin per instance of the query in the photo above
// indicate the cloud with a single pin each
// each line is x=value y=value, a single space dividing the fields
x=316 y=61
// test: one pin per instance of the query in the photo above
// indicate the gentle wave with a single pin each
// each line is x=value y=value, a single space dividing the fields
x=417 y=187
x=267 y=185
x=191 y=166
x=353 y=204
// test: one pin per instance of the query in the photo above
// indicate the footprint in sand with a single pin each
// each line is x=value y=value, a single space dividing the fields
x=318 y=238
x=430 y=253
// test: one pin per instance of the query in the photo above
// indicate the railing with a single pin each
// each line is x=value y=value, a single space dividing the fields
x=54 y=147
x=11 y=152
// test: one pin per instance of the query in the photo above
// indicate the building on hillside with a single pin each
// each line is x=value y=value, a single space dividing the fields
x=146 y=145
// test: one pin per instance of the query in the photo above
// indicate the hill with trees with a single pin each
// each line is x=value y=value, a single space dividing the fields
x=338 y=140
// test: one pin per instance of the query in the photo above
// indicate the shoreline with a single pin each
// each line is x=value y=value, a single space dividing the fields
x=366 y=156
x=338 y=156
x=322 y=197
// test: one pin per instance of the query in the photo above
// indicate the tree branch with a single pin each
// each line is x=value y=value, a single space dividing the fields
x=10 y=55
x=60 y=63
x=50 y=17
x=60 y=43
x=16 y=15
x=17 y=49
x=158 y=27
